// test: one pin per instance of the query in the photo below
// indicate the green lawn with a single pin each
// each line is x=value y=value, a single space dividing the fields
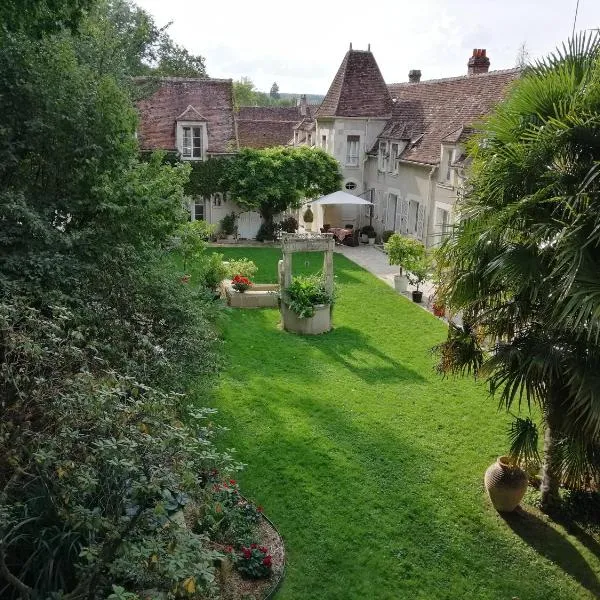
x=371 y=465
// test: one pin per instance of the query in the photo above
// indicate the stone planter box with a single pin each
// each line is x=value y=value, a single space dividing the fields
x=320 y=322
x=260 y=295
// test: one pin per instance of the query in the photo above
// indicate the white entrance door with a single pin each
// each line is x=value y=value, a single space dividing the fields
x=248 y=224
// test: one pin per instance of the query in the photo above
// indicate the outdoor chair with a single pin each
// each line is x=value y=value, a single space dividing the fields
x=352 y=239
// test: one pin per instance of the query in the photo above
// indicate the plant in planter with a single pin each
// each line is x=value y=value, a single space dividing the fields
x=289 y=225
x=308 y=218
x=228 y=225
x=240 y=283
x=402 y=251
x=241 y=266
x=305 y=293
x=368 y=233
x=419 y=272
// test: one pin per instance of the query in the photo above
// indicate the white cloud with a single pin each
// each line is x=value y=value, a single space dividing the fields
x=300 y=45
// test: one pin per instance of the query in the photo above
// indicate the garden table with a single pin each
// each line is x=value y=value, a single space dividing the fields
x=341 y=233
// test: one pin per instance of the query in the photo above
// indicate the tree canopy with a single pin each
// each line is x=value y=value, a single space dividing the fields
x=273 y=180
x=523 y=264
x=246 y=94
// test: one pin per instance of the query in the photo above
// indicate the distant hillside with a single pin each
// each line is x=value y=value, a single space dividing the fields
x=310 y=98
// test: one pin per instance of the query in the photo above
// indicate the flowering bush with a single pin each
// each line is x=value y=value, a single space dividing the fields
x=254 y=561
x=240 y=283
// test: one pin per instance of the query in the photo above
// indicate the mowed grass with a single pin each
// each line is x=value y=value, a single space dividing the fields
x=371 y=465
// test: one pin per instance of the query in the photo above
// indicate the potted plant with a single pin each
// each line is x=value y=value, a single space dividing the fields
x=308 y=218
x=368 y=234
x=228 y=225
x=401 y=251
x=289 y=225
x=240 y=283
x=419 y=271
x=306 y=305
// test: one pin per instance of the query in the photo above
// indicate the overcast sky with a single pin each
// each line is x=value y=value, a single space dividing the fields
x=301 y=44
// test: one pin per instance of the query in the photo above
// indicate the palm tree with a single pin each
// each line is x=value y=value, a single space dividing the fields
x=523 y=263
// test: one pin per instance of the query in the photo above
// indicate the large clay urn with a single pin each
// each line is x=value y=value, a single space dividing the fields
x=506 y=484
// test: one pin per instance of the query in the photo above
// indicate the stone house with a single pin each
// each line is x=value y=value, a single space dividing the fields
x=400 y=145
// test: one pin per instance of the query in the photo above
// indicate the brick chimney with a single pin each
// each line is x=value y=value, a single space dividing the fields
x=479 y=62
x=414 y=76
x=303 y=105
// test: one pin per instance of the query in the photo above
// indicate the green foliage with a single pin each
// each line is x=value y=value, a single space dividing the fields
x=304 y=293
x=213 y=270
x=241 y=266
x=369 y=231
x=403 y=251
x=386 y=235
x=254 y=561
x=276 y=179
x=191 y=240
x=289 y=224
x=523 y=263
x=274 y=93
x=267 y=232
x=228 y=224
x=418 y=269
x=245 y=94
x=208 y=177
x=523 y=437
x=308 y=216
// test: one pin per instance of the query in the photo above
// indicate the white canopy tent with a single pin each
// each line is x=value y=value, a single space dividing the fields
x=340 y=209
x=340 y=197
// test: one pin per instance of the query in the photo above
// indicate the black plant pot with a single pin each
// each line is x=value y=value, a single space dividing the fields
x=417 y=296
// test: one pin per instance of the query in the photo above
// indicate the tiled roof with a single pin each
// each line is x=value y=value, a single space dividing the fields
x=443 y=110
x=212 y=99
x=358 y=89
x=264 y=134
x=264 y=126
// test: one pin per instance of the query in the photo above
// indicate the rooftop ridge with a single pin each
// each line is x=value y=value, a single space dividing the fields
x=456 y=78
x=182 y=79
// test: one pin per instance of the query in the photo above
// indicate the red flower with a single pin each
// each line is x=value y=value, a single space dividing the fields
x=247 y=552
x=263 y=549
x=267 y=561
x=232 y=481
x=253 y=546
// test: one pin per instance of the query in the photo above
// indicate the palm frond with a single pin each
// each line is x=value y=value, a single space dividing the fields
x=523 y=437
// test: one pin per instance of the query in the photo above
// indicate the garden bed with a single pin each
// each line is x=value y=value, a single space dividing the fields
x=260 y=295
x=236 y=587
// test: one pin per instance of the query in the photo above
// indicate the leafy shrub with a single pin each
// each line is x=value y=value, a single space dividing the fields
x=213 y=270
x=304 y=293
x=241 y=266
x=404 y=251
x=254 y=561
x=266 y=232
x=289 y=224
x=386 y=235
x=368 y=230
x=190 y=239
x=96 y=473
x=228 y=224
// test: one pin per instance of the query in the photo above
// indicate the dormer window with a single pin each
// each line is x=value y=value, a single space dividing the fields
x=192 y=138
x=192 y=142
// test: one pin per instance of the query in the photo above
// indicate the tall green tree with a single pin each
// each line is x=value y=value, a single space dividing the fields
x=523 y=264
x=273 y=180
x=274 y=93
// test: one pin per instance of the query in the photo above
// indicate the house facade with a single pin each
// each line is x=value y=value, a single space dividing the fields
x=400 y=145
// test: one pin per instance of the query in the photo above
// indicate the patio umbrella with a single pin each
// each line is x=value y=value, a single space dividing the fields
x=340 y=197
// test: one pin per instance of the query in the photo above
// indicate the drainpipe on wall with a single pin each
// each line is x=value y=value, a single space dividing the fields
x=429 y=194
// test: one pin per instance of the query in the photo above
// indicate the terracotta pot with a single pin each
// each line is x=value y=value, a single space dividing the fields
x=506 y=484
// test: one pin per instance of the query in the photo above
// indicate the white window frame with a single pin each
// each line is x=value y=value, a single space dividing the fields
x=383 y=155
x=191 y=136
x=198 y=203
x=352 y=158
x=449 y=159
x=324 y=141
x=413 y=229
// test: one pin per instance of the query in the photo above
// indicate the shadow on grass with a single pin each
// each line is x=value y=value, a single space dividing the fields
x=552 y=545
x=349 y=347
